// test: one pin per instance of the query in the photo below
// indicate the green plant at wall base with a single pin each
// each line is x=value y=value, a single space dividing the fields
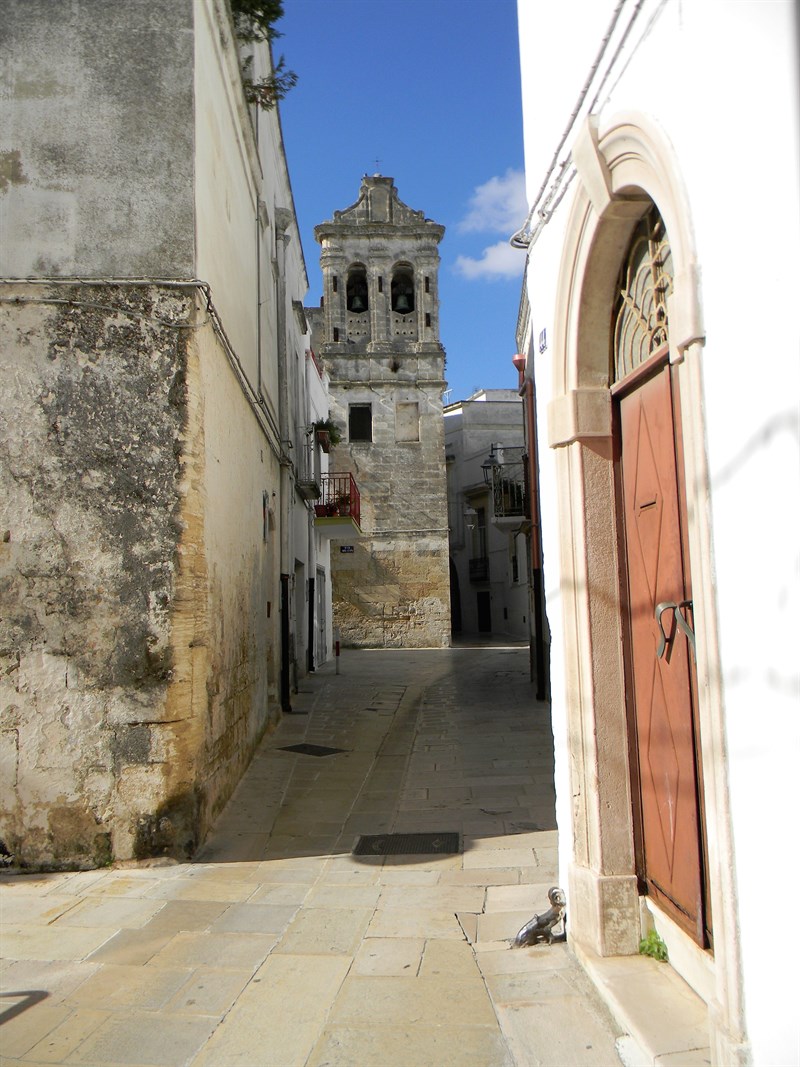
x=653 y=946
x=254 y=20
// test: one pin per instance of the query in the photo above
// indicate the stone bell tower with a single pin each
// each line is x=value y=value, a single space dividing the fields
x=377 y=333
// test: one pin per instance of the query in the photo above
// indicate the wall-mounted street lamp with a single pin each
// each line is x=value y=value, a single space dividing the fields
x=493 y=460
x=470 y=517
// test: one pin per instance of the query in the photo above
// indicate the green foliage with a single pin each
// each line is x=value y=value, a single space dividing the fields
x=653 y=946
x=254 y=20
x=330 y=427
x=267 y=92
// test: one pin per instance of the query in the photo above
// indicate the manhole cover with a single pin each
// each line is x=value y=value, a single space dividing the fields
x=408 y=844
x=312 y=750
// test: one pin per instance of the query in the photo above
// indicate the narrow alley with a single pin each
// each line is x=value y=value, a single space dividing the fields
x=279 y=946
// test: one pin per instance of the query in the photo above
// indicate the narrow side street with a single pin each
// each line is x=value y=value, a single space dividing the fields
x=279 y=946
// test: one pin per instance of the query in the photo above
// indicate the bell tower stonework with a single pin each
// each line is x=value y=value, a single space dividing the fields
x=377 y=334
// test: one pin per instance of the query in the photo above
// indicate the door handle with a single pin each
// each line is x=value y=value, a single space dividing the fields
x=679 y=620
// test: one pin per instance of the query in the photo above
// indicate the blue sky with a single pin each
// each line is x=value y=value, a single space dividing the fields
x=431 y=89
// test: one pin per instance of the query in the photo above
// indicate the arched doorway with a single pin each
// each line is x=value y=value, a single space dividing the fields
x=626 y=439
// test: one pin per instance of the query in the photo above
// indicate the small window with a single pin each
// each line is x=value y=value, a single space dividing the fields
x=406 y=422
x=359 y=422
x=427 y=284
x=335 y=284
x=427 y=318
x=336 y=333
x=380 y=283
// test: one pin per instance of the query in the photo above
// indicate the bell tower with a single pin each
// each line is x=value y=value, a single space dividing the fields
x=377 y=334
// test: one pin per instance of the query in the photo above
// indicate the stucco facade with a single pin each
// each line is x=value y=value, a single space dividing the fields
x=488 y=545
x=377 y=334
x=637 y=146
x=152 y=430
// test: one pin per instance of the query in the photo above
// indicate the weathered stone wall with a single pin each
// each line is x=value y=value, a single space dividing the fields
x=90 y=467
x=136 y=655
x=232 y=516
x=393 y=590
x=96 y=139
x=390 y=593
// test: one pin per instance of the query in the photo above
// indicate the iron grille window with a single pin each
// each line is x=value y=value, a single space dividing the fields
x=359 y=422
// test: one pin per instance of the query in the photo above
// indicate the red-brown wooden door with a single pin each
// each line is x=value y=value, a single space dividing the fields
x=663 y=714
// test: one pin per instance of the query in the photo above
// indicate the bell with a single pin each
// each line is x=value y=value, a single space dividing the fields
x=401 y=304
x=357 y=303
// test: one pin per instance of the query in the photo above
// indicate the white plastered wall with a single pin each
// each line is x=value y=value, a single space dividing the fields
x=715 y=85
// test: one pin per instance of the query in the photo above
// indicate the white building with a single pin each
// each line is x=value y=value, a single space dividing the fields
x=484 y=446
x=158 y=542
x=661 y=146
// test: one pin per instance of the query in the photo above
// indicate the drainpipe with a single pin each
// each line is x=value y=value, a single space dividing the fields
x=261 y=222
x=283 y=219
x=527 y=390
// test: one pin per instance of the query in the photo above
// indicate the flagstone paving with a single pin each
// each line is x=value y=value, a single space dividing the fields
x=278 y=946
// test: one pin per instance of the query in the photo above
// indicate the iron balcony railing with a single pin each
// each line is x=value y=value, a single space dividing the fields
x=339 y=495
x=509 y=485
x=479 y=569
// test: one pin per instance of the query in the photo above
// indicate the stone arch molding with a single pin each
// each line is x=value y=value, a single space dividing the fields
x=621 y=172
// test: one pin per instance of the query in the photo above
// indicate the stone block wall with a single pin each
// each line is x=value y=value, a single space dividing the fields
x=393 y=590
x=390 y=593
x=135 y=654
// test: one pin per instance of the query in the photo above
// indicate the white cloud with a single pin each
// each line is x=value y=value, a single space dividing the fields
x=498 y=261
x=498 y=206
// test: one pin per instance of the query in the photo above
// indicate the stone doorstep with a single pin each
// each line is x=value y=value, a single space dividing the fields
x=662 y=1018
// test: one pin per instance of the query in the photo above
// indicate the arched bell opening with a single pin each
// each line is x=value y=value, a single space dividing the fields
x=357 y=290
x=403 y=291
x=357 y=303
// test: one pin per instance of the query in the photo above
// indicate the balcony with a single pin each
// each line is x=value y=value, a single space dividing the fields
x=508 y=481
x=307 y=489
x=338 y=509
x=479 y=569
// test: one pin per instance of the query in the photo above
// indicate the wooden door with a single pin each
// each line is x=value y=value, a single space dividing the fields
x=320 y=642
x=484 y=599
x=662 y=697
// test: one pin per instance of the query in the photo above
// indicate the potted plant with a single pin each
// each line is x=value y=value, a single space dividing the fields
x=327 y=433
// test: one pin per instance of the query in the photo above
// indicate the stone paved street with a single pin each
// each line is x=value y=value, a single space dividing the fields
x=280 y=947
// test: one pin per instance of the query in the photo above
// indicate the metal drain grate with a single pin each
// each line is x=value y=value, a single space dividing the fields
x=408 y=844
x=312 y=750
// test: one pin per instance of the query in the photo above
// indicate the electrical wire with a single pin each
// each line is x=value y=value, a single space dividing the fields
x=115 y=308
x=518 y=240
x=545 y=205
x=262 y=412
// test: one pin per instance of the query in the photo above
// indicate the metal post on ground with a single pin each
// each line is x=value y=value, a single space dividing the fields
x=336 y=645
